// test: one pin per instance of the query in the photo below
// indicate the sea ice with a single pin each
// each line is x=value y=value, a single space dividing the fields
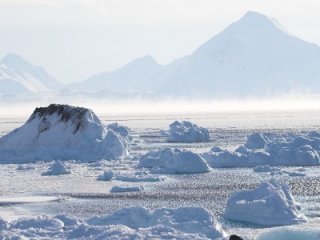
x=57 y=168
x=290 y=233
x=266 y=169
x=135 y=223
x=259 y=150
x=190 y=220
x=120 y=189
x=270 y=204
x=185 y=131
x=106 y=176
x=139 y=177
x=172 y=161
x=61 y=132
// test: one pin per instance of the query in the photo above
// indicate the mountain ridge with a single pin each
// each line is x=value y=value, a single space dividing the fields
x=252 y=56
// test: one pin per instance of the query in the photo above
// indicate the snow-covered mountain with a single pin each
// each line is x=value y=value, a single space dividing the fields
x=18 y=77
x=253 y=56
x=141 y=75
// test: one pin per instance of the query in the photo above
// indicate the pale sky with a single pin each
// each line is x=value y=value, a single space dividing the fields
x=74 y=39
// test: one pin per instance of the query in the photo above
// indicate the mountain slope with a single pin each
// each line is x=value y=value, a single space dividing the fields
x=141 y=75
x=254 y=56
x=17 y=76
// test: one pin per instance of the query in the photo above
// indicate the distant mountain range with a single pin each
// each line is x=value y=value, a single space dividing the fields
x=18 y=77
x=254 y=56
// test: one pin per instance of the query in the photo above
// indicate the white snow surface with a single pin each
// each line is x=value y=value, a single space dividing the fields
x=184 y=131
x=57 y=168
x=62 y=132
x=289 y=233
x=302 y=150
x=173 y=161
x=270 y=204
x=128 y=223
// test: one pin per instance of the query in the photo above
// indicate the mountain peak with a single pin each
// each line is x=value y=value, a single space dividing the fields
x=259 y=21
x=13 y=60
x=254 y=16
x=146 y=60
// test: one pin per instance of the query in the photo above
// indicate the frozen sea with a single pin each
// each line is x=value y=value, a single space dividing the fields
x=25 y=192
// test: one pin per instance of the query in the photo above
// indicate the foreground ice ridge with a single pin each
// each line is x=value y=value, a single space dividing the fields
x=128 y=223
x=62 y=132
x=270 y=204
x=173 y=160
x=185 y=131
x=259 y=150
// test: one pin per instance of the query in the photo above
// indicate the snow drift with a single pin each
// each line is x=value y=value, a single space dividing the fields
x=185 y=131
x=173 y=160
x=259 y=150
x=129 y=223
x=270 y=204
x=61 y=132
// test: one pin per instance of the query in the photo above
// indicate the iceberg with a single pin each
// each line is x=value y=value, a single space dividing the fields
x=62 y=132
x=173 y=161
x=270 y=204
x=188 y=132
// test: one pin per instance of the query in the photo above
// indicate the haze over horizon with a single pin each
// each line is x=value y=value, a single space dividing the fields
x=104 y=35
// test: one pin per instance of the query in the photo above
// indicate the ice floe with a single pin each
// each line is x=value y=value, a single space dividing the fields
x=120 y=189
x=57 y=168
x=106 y=176
x=61 y=132
x=139 y=177
x=270 y=204
x=290 y=233
x=259 y=150
x=185 y=131
x=173 y=161
x=266 y=169
x=300 y=172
